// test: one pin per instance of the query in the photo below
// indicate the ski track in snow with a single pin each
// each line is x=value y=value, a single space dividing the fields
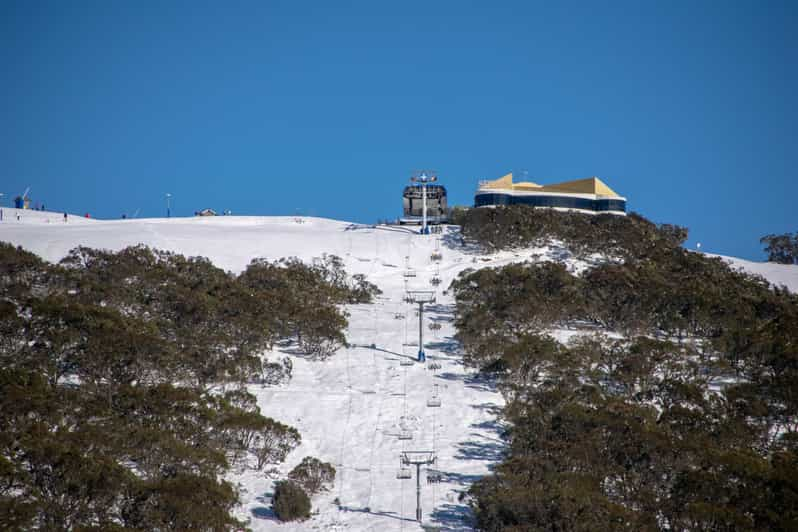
x=350 y=408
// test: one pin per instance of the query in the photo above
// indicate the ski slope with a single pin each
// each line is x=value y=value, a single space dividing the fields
x=351 y=408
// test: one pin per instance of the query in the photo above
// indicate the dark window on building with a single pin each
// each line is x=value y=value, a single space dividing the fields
x=563 y=202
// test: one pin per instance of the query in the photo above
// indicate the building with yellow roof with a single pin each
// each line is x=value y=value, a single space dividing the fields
x=589 y=195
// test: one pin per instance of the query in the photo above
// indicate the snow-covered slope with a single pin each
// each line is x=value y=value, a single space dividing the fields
x=351 y=408
x=29 y=217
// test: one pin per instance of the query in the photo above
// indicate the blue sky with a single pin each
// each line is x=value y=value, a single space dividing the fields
x=687 y=108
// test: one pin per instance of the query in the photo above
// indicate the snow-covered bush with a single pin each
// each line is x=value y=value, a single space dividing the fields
x=274 y=373
x=313 y=474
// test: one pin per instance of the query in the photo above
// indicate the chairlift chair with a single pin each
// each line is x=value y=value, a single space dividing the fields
x=407 y=361
x=404 y=473
x=405 y=435
x=434 y=477
x=435 y=399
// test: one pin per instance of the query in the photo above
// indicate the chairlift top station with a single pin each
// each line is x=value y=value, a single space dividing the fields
x=424 y=200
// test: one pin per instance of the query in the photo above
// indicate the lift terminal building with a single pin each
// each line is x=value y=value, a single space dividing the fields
x=412 y=203
x=589 y=195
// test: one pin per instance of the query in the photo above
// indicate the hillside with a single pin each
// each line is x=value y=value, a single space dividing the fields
x=351 y=408
x=776 y=274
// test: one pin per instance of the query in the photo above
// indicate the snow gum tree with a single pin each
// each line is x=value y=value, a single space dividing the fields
x=273 y=442
x=312 y=474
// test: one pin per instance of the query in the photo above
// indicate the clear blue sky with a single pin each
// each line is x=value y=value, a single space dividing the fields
x=687 y=108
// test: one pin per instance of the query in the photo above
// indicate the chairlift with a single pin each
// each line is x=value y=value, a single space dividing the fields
x=434 y=477
x=406 y=361
x=405 y=435
x=435 y=281
x=404 y=473
x=410 y=273
x=434 y=401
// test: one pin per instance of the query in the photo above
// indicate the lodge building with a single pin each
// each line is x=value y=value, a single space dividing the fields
x=589 y=195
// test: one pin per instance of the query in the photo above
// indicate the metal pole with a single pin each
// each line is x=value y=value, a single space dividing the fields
x=424 y=208
x=168 y=205
x=421 y=356
x=418 y=492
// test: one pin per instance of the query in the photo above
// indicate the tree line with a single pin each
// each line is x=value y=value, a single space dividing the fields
x=673 y=406
x=781 y=248
x=122 y=382
x=623 y=237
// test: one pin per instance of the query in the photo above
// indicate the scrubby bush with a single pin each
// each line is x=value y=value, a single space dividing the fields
x=304 y=299
x=628 y=237
x=781 y=248
x=312 y=474
x=274 y=441
x=274 y=373
x=290 y=502
x=362 y=291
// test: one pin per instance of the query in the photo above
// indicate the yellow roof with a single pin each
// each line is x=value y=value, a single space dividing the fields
x=526 y=185
x=590 y=185
x=505 y=181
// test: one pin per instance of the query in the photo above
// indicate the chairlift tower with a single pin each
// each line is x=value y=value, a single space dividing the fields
x=418 y=459
x=422 y=297
x=423 y=178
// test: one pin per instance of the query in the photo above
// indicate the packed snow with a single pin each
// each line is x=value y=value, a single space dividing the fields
x=351 y=408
